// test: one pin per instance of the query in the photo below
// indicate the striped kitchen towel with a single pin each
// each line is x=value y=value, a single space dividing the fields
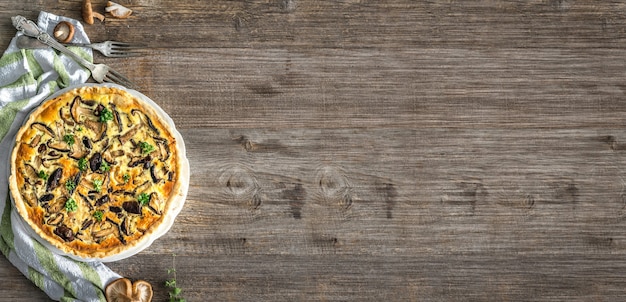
x=26 y=78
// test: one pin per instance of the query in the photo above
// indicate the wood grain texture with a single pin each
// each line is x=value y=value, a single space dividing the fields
x=364 y=151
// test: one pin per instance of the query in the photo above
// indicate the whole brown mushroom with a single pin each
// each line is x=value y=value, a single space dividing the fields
x=123 y=290
x=89 y=14
x=64 y=32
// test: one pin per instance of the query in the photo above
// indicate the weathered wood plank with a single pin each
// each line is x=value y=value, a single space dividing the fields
x=368 y=151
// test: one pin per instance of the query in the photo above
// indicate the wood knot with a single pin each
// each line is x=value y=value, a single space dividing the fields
x=288 y=6
x=335 y=187
x=241 y=184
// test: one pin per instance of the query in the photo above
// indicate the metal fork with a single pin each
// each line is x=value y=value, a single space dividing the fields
x=99 y=72
x=107 y=48
x=112 y=48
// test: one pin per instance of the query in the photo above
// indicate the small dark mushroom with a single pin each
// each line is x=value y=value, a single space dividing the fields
x=117 y=119
x=132 y=207
x=43 y=128
x=125 y=226
x=146 y=119
x=155 y=178
x=46 y=198
x=74 y=108
x=87 y=143
x=89 y=103
x=164 y=149
x=64 y=232
x=115 y=209
x=87 y=223
x=102 y=200
x=95 y=162
x=59 y=146
x=98 y=110
x=42 y=148
x=54 y=179
x=141 y=161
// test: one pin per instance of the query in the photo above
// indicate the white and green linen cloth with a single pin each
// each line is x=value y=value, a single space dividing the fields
x=26 y=78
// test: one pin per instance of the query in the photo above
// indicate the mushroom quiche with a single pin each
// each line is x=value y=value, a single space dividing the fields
x=94 y=171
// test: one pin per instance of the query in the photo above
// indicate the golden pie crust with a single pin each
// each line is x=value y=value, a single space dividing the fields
x=95 y=171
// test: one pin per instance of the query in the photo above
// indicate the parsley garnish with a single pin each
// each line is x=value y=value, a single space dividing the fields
x=82 y=164
x=143 y=199
x=146 y=147
x=126 y=177
x=97 y=185
x=42 y=174
x=106 y=115
x=70 y=185
x=104 y=166
x=70 y=205
x=98 y=215
x=69 y=139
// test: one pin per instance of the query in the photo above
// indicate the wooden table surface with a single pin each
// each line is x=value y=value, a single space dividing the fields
x=363 y=150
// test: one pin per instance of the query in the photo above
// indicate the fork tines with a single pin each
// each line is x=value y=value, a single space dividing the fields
x=117 y=78
x=121 y=49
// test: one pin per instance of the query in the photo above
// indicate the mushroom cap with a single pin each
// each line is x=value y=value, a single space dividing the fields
x=117 y=10
x=122 y=290
x=64 y=32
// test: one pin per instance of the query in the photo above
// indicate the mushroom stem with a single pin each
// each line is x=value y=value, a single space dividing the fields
x=89 y=14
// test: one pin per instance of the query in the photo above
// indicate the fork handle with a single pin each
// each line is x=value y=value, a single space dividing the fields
x=31 y=29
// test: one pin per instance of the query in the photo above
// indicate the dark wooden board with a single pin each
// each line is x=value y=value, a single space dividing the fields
x=368 y=151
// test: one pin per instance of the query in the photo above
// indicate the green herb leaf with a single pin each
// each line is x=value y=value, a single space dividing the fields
x=70 y=205
x=175 y=291
x=146 y=147
x=70 y=185
x=98 y=215
x=79 y=128
x=106 y=115
x=104 y=166
x=69 y=139
x=82 y=164
x=97 y=185
x=170 y=283
x=126 y=177
x=143 y=199
x=42 y=174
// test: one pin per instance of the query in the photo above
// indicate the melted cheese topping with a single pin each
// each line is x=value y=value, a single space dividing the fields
x=95 y=169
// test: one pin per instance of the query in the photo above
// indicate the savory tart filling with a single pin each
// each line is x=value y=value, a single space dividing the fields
x=94 y=170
